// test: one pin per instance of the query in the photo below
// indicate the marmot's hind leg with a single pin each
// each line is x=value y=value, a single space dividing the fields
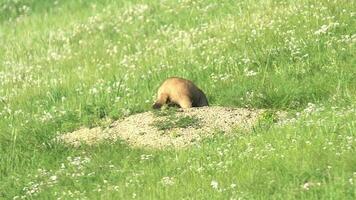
x=185 y=102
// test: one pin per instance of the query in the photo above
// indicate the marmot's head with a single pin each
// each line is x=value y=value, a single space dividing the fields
x=156 y=106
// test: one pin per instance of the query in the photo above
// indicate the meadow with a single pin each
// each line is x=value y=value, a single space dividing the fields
x=66 y=64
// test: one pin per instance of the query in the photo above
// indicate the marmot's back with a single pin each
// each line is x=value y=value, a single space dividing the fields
x=180 y=91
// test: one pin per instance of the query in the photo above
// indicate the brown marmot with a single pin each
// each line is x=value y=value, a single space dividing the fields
x=181 y=92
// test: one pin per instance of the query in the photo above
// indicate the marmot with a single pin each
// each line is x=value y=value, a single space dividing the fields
x=181 y=92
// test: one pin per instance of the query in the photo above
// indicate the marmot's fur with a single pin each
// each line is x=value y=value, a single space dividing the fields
x=179 y=91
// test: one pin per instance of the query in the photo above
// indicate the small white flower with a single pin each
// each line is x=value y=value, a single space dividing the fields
x=249 y=72
x=168 y=180
x=214 y=184
x=306 y=186
x=53 y=178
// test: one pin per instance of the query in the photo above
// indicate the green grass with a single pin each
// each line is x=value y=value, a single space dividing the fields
x=66 y=64
x=171 y=120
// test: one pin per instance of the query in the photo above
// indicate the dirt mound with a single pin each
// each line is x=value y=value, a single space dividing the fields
x=175 y=128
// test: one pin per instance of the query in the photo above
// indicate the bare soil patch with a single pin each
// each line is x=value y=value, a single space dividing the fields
x=166 y=129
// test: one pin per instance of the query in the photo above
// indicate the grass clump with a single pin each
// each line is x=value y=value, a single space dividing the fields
x=165 y=112
x=171 y=120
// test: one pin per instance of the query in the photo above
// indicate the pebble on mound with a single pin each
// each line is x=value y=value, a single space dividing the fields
x=161 y=129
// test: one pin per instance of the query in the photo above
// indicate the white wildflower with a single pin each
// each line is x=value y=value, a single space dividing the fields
x=249 y=72
x=214 y=184
x=168 y=180
x=53 y=178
